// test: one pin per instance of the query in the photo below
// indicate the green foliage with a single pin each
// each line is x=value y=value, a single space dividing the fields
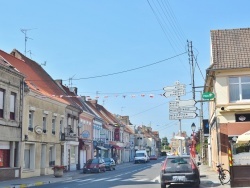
x=164 y=141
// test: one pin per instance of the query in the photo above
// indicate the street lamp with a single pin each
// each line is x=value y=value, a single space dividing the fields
x=193 y=141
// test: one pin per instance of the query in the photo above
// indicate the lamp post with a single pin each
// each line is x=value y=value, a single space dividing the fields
x=193 y=141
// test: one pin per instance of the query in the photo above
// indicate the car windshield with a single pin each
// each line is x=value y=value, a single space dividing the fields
x=139 y=154
x=93 y=161
x=178 y=164
x=107 y=159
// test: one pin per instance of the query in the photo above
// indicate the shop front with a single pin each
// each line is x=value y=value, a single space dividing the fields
x=240 y=166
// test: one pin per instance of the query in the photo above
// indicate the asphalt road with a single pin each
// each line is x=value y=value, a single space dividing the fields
x=125 y=176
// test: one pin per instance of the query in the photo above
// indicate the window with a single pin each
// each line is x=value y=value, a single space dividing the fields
x=4 y=158
x=29 y=156
x=1 y=102
x=61 y=129
x=72 y=154
x=31 y=117
x=239 y=88
x=52 y=155
x=12 y=105
x=44 y=124
x=53 y=126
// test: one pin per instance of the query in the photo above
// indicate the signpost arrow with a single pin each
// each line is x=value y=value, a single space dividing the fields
x=183 y=109
x=188 y=115
x=179 y=86
x=180 y=103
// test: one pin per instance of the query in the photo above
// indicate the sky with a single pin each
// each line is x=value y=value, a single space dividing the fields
x=124 y=52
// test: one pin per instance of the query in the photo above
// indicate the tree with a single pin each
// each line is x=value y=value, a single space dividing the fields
x=164 y=142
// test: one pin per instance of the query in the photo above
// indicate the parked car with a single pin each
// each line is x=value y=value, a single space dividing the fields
x=153 y=157
x=94 y=165
x=109 y=163
x=180 y=170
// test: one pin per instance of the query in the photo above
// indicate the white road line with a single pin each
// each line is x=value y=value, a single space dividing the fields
x=114 y=179
x=144 y=179
x=130 y=179
x=85 y=180
x=157 y=179
x=70 y=180
x=99 y=179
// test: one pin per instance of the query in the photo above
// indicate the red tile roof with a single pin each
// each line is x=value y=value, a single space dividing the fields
x=230 y=48
x=36 y=77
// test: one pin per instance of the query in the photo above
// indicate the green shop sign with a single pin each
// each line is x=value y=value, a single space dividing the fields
x=208 y=95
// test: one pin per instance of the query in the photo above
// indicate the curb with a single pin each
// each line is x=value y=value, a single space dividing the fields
x=38 y=183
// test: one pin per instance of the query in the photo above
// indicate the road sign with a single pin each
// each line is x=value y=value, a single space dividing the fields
x=183 y=109
x=171 y=93
x=178 y=86
x=180 y=103
x=179 y=138
x=208 y=95
x=188 y=115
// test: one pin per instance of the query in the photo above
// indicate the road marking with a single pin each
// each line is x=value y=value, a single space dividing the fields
x=157 y=179
x=130 y=179
x=114 y=179
x=145 y=179
x=99 y=179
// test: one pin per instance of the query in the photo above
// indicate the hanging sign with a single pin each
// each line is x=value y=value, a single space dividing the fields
x=208 y=95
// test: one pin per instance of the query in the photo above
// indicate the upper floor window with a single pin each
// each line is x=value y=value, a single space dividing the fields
x=12 y=105
x=239 y=88
x=44 y=124
x=53 y=126
x=31 y=117
x=1 y=102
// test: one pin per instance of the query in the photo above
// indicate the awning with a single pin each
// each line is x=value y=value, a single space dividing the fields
x=244 y=138
x=101 y=148
x=116 y=147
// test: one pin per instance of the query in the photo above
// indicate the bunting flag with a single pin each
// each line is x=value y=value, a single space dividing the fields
x=107 y=96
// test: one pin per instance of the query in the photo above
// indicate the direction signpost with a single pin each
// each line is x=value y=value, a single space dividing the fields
x=179 y=109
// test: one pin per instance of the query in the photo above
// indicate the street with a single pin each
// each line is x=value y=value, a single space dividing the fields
x=128 y=175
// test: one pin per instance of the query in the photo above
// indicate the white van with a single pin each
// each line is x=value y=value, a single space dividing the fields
x=141 y=156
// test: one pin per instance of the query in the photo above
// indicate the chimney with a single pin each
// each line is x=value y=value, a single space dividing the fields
x=73 y=89
x=59 y=81
x=94 y=102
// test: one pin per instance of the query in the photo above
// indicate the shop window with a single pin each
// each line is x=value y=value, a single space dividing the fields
x=4 y=158
x=72 y=154
x=52 y=155
x=29 y=156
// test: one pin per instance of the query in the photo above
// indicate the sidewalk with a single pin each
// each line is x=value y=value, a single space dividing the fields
x=209 y=177
x=47 y=179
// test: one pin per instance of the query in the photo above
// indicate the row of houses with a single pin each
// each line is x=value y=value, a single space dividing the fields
x=44 y=123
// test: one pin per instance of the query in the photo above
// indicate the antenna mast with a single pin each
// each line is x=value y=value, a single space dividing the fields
x=24 y=31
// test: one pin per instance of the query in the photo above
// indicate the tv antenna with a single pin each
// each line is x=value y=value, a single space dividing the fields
x=70 y=81
x=24 y=31
x=30 y=53
x=44 y=64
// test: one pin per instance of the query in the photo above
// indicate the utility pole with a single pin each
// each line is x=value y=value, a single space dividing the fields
x=191 y=62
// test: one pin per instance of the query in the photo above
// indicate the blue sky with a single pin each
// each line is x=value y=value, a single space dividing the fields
x=127 y=40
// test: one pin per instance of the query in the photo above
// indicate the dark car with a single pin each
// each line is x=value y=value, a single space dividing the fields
x=109 y=163
x=153 y=157
x=94 y=165
x=180 y=170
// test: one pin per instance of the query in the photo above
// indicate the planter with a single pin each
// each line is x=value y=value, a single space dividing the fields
x=58 y=171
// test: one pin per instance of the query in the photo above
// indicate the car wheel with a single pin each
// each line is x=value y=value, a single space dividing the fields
x=163 y=185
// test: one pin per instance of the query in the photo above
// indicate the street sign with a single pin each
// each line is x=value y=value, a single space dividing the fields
x=183 y=109
x=182 y=115
x=171 y=93
x=180 y=103
x=179 y=138
x=178 y=86
x=208 y=95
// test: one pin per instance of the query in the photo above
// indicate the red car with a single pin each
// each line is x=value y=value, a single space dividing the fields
x=153 y=157
x=94 y=165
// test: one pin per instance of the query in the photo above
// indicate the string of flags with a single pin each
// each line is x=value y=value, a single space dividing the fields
x=109 y=96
